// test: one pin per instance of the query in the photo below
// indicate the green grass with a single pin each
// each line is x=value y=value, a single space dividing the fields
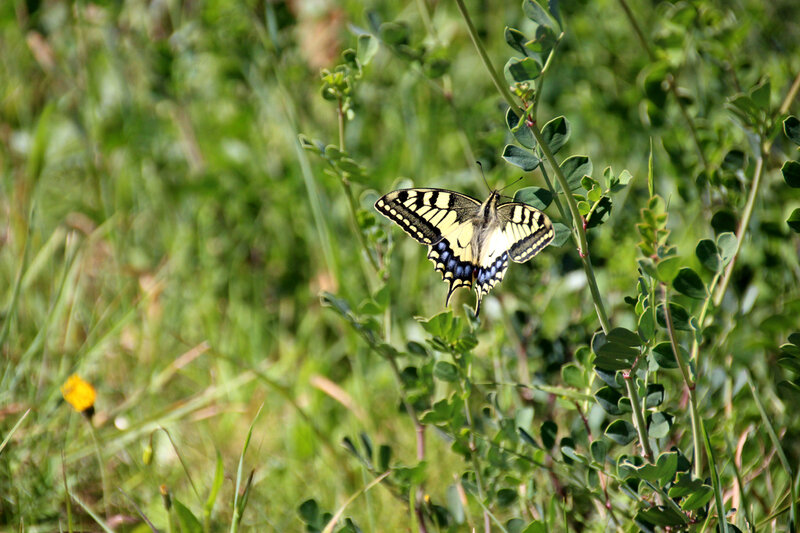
x=239 y=305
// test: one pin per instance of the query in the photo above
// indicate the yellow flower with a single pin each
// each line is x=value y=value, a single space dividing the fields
x=79 y=394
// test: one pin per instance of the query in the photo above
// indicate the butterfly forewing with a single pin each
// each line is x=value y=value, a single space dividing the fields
x=427 y=214
x=527 y=230
x=469 y=242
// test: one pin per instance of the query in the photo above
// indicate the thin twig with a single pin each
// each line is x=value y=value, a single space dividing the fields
x=690 y=387
x=742 y=229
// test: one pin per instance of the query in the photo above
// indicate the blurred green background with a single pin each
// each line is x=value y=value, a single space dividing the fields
x=165 y=235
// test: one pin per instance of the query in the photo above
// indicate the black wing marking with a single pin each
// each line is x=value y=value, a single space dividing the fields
x=526 y=229
x=427 y=215
x=489 y=275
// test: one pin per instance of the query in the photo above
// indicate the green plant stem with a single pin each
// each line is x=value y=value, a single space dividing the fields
x=100 y=466
x=475 y=465
x=694 y=355
x=543 y=73
x=638 y=415
x=473 y=34
x=340 y=120
x=742 y=229
x=577 y=221
x=670 y=79
x=419 y=430
x=690 y=388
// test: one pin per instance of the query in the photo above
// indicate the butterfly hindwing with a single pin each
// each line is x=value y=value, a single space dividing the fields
x=427 y=215
x=452 y=256
x=526 y=229
x=469 y=243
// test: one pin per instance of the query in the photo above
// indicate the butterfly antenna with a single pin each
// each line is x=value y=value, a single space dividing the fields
x=483 y=175
x=510 y=184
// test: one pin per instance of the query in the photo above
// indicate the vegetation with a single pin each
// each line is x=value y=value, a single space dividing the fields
x=190 y=258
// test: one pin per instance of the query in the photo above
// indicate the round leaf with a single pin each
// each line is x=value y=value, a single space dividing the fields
x=521 y=158
x=445 y=371
x=791 y=173
x=556 y=133
x=621 y=431
x=535 y=197
x=794 y=220
x=523 y=134
x=708 y=254
x=689 y=283
x=791 y=127
x=522 y=70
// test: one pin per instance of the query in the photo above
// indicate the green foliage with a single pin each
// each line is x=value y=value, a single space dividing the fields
x=188 y=224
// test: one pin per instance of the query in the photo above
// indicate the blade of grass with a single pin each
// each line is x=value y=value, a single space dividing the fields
x=715 y=481
x=239 y=470
x=332 y=522
x=781 y=455
x=13 y=430
x=99 y=521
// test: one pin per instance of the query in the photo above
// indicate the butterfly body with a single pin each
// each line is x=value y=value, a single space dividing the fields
x=469 y=242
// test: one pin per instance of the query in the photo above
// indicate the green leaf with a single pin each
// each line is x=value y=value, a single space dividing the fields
x=367 y=48
x=661 y=515
x=309 y=513
x=698 y=499
x=599 y=449
x=788 y=391
x=615 y=357
x=624 y=337
x=794 y=220
x=734 y=160
x=791 y=173
x=575 y=168
x=723 y=221
x=562 y=234
x=689 y=283
x=443 y=325
x=219 y=478
x=659 y=425
x=668 y=267
x=535 y=527
x=619 y=350
x=791 y=127
x=743 y=107
x=445 y=371
x=522 y=70
x=537 y=197
x=646 y=326
x=621 y=431
x=394 y=33
x=760 y=95
x=556 y=134
x=186 y=520
x=548 y=432
x=523 y=133
x=726 y=244
x=536 y=13
x=708 y=255
x=680 y=317
x=416 y=348
x=516 y=40
x=608 y=398
x=384 y=457
x=654 y=396
x=662 y=471
x=662 y=353
x=506 y=497
x=573 y=376
x=521 y=158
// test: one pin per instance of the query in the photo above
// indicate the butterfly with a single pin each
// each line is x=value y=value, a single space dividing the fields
x=469 y=242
